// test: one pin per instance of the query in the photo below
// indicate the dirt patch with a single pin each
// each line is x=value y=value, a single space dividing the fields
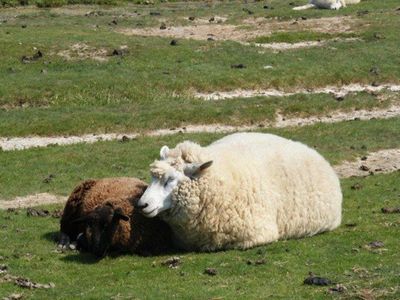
x=384 y=161
x=210 y=20
x=300 y=45
x=338 y=116
x=10 y=144
x=32 y=200
x=254 y=28
x=338 y=91
x=80 y=51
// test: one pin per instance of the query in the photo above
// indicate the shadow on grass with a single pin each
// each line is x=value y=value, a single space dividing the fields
x=81 y=258
x=51 y=236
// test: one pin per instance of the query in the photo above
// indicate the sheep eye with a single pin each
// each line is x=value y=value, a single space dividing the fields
x=167 y=182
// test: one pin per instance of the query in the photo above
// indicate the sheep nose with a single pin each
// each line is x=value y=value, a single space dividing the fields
x=141 y=206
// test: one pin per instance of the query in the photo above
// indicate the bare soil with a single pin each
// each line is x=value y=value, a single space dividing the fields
x=252 y=28
x=32 y=200
x=338 y=91
x=384 y=161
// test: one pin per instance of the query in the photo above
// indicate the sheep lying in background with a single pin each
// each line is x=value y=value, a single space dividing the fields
x=100 y=216
x=326 y=4
x=244 y=190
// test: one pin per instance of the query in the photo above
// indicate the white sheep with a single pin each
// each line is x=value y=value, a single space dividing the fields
x=244 y=190
x=326 y=4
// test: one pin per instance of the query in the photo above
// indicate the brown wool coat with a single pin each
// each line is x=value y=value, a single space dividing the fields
x=139 y=235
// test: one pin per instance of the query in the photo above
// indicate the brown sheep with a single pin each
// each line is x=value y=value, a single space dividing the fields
x=100 y=216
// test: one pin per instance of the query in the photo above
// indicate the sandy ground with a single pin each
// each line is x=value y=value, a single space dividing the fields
x=32 y=200
x=384 y=161
x=20 y=143
x=299 y=45
x=250 y=29
x=81 y=51
x=338 y=91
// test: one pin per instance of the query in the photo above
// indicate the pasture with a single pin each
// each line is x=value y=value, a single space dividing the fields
x=158 y=73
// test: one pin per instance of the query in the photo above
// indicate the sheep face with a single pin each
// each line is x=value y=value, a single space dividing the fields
x=157 y=197
x=167 y=174
x=100 y=228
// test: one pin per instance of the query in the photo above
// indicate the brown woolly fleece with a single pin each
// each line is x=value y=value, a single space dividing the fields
x=139 y=235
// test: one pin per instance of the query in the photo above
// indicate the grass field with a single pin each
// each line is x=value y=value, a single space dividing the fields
x=342 y=256
x=77 y=86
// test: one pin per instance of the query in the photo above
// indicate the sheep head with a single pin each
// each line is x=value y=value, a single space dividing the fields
x=174 y=167
x=100 y=227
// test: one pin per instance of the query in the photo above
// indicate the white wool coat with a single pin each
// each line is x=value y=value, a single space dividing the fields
x=259 y=189
x=329 y=4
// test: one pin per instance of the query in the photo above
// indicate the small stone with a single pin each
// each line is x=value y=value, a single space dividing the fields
x=124 y=139
x=260 y=262
x=315 y=280
x=3 y=269
x=378 y=36
x=191 y=18
x=172 y=262
x=210 y=271
x=364 y=168
x=339 y=288
x=390 y=210
x=356 y=186
x=375 y=244
x=238 y=66
x=339 y=98
x=163 y=26
x=364 y=158
x=374 y=70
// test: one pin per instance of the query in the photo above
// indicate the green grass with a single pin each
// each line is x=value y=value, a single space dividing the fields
x=172 y=112
x=299 y=36
x=23 y=172
x=124 y=93
x=340 y=255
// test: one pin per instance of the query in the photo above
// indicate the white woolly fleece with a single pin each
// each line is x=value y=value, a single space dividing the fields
x=260 y=188
x=327 y=4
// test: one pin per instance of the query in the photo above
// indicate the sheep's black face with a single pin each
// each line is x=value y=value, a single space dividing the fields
x=101 y=225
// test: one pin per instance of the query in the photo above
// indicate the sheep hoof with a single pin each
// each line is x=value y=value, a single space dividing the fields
x=72 y=246
x=64 y=241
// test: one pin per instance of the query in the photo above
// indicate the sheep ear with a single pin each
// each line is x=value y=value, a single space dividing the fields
x=195 y=170
x=164 y=152
x=118 y=214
